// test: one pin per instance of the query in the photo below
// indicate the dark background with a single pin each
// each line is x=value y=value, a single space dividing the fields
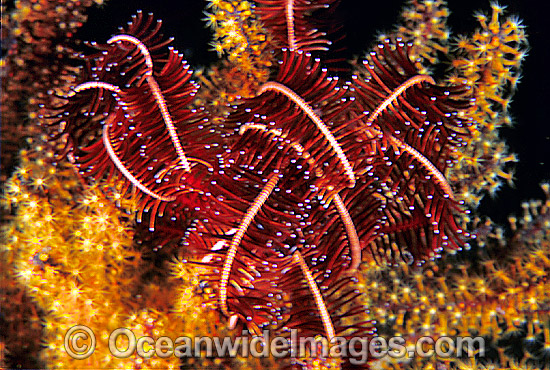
x=529 y=137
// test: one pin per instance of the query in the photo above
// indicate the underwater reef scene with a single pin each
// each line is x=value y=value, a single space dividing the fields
x=299 y=185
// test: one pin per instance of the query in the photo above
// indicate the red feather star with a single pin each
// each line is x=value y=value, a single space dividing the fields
x=301 y=182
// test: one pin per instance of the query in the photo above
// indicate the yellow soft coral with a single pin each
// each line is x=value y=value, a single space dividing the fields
x=424 y=24
x=490 y=63
x=240 y=36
